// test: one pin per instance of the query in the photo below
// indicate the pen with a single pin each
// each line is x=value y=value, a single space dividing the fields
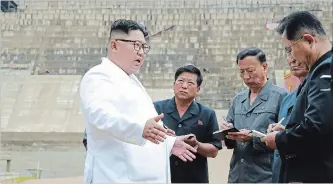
x=281 y=121
x=227 y=122
x=224 y=118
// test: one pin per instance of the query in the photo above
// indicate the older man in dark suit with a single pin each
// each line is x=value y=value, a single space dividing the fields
x=306 y=146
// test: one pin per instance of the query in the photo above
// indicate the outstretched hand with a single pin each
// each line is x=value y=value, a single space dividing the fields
x=153 y=131
x=183 y=150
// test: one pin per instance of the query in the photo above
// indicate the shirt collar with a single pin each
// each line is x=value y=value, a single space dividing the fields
x=193 y=108
x=264 y=93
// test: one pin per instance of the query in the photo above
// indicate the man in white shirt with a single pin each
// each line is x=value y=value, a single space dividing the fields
x=120 y=117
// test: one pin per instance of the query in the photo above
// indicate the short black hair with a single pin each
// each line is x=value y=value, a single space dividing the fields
x=190 y=69
x=298 y=23
x=126 y=26
x=252 y=51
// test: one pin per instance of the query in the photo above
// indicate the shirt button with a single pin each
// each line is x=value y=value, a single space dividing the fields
x=180 y=125
x=176 y=163
x=248 y=114
x=242 y=160
x=243 y=144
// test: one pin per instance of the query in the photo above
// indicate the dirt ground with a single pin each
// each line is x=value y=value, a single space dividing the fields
x=218 y=172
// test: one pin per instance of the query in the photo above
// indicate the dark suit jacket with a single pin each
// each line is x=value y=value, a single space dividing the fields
x=306 y=147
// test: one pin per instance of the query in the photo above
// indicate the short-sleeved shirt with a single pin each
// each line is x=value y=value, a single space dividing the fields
x=251 y=161
x=199 y=120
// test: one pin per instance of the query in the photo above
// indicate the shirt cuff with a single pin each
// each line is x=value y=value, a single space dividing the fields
x=170 y=141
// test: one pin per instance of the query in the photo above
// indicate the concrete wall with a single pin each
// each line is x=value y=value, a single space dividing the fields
x=46 y=108
x=48 y=45
x=47 y=103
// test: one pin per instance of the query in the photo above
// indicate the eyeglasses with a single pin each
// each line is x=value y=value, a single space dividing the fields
x=137 y=45
x=182 y=81
x=288 y=49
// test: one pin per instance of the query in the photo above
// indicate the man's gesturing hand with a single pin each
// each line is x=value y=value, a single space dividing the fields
x=183 y=150
x=153 y=131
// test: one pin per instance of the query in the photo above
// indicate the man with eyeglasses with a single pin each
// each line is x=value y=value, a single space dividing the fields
x=186 y=116
x=127 y=142
x=306 y=146
x=299 y=70
x=146 y=49
x=252 y=109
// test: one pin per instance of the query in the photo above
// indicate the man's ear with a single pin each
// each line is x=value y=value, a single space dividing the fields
x=198 y=89
x=265 y=65
x=113 y=45
x=309 y=38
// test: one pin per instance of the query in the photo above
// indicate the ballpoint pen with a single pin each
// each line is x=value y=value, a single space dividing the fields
x=281 y=120
x=227 y=122
x=279 y=123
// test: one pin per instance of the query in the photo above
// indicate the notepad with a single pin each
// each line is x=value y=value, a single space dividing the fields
x=221 y=134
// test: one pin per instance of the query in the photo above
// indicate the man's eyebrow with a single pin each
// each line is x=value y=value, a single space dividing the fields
x=189 y=79
x=141 y=41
